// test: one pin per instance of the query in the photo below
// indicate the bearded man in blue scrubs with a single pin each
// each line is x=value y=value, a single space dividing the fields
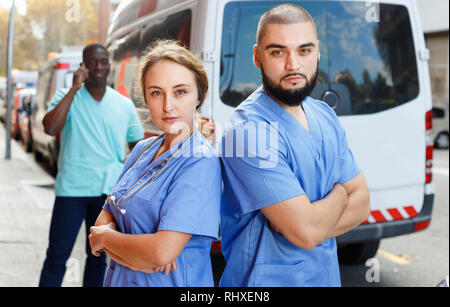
x=95 y=123
x=291 y=183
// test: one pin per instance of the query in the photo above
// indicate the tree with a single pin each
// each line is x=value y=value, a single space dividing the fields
x=61 y=22
x=46 y=27
x=367 y=86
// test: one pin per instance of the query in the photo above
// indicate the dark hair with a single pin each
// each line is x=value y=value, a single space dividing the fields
x=283 y=14
x=91 y=47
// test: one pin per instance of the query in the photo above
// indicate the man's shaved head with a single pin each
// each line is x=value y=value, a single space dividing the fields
x=283 y=14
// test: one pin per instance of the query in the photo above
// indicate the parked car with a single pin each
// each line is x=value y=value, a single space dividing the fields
x=20 y=79
x=440 y=128
x=20 y=97
x=27 y=97
x=57 y=73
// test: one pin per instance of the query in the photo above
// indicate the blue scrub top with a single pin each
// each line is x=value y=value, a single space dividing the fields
x=268 y=157
x=184 y=198
x=93 y=141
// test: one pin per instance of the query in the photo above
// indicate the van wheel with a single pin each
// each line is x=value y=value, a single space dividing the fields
x=441 y=141
x=358 y=253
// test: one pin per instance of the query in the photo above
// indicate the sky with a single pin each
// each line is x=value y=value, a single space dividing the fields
x=21 y=5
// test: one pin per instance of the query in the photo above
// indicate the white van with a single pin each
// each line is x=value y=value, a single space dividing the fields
x=57 y=73
x=373 y=72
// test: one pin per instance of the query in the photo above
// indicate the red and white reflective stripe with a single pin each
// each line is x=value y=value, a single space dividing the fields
x=391 y=214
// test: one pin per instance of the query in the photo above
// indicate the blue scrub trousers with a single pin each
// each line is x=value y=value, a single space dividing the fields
x=68 y=215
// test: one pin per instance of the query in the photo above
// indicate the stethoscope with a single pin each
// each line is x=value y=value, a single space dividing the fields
x=161 y=164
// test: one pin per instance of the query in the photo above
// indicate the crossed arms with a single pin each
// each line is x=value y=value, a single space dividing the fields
x=307 y=224
x=148 y=253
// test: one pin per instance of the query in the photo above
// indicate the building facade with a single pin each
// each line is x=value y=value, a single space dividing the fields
x=435 y=24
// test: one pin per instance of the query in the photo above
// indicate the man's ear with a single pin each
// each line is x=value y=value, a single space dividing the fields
x=256 y=59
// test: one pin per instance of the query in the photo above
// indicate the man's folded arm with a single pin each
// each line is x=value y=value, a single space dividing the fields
x=307 y=224
x=358 y=208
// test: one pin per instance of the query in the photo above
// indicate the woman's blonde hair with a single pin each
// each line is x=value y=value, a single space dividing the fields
x=171 y=50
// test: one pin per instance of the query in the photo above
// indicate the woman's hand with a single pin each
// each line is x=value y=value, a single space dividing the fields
x=169 y=267
x=97 y=236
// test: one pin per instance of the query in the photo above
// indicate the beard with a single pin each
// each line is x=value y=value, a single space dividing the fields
x=290 y=97
x=93 y=83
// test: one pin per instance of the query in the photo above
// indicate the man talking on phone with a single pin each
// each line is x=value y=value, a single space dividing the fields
x=95 y=122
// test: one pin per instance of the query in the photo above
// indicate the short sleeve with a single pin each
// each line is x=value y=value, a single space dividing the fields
x=57 y=97
x=347 y=163
x=135 y=131
x=257 y=172
x=192 y=204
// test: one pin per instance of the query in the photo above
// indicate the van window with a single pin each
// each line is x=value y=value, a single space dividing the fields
x=370 y=62
x=127 y=56
x=238 y=75
x=176 y=26
x=125 y=66
x=375 y=59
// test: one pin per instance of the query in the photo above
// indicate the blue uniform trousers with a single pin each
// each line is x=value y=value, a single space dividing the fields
x=67 y=217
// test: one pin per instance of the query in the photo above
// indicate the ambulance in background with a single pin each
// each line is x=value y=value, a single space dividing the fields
x=20 y=79
x=373 y=72
x=56 y=73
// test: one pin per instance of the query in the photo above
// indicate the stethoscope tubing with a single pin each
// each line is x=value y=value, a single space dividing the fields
x=154 y=176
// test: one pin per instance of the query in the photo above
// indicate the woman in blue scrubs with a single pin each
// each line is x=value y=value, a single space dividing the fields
x=160 y=219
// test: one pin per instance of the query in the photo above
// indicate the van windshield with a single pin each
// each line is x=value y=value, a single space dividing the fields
x=368 y=57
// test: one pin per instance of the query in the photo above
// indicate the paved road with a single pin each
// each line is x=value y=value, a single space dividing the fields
x=419 y=259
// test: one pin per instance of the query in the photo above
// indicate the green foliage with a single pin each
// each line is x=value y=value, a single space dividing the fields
x=46 y=27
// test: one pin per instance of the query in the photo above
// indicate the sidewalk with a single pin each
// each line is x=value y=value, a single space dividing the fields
x=26 y=203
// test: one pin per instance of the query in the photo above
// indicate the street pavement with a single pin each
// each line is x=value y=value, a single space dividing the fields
x=26 y=202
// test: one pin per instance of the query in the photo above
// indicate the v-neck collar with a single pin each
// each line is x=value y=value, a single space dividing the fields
x=93 y=100
x=155 y=147
x=275 y=107
x=314 y=136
